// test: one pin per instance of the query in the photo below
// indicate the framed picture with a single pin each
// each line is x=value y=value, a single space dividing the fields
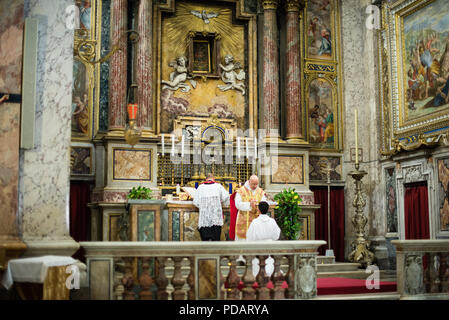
x=290 y=170
x=319 y=26
x=321 y=102
x=132 y=164
x=419 y=47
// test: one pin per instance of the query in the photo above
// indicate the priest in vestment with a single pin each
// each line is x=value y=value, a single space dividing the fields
x=246 y=201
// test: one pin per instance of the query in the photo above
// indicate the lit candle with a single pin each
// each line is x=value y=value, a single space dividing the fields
x=238 y=147
x=173 y=145
x=182 y=146
x=255 y=148
x=247 y=148
x=356 y=140
x=163 y=144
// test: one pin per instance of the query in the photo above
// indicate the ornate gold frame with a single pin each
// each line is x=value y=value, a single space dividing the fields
x=398 y=133
x=251 y=34
x=324 y=68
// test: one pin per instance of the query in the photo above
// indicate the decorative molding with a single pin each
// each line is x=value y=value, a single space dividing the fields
x=270 y=4
x=306 y=276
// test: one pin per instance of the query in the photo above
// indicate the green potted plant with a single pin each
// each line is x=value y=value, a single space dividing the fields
x=287 y=213
x=140 y=193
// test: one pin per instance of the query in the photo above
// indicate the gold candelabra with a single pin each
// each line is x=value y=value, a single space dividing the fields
x=360 y=246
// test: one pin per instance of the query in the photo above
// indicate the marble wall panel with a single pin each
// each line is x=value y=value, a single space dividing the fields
x=132 y=164
x=315 y=172
x=290 y=170
x=44 y=186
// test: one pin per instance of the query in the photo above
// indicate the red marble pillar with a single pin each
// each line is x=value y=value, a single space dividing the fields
x=145 y=66
x=293 y=75
x=270 y=68
x=118 y=65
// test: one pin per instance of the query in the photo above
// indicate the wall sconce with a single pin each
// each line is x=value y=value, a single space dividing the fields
x=132 y=132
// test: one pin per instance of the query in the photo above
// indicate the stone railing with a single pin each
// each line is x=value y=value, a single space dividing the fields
x=201 y=270
x=422 y=268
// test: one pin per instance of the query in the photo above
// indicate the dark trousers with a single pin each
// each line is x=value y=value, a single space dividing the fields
x=210 y=233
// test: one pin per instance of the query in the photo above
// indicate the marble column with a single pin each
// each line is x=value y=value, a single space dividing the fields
x=118 y=66
x=270 y=69
x=44 y=185
x=145 y=66
x=293 y=75
x=11 y=53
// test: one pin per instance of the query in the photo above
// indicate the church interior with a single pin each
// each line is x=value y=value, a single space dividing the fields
x=113 y=112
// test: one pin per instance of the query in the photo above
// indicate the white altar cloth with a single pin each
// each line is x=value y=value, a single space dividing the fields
x=33 y=269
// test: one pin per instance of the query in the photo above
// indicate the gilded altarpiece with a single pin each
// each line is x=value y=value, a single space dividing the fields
x=322 y=87
x=204 y=33
x=414 y=73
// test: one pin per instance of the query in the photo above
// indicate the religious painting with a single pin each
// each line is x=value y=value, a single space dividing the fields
x=320 y=101
x=134 y=165
x=81 y=160
x=80 y=100
x=443 y=193
x=85 y=10
x=319 y=29
x=390 y=199
x=201 y=56
x=318 y=163
x=290 y=170
x=419 y=47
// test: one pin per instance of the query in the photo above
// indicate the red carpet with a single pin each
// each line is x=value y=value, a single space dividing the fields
x=350 y=286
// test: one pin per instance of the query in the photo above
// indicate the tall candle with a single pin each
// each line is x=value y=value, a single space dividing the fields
x=247 y=148
x=356 y=139
x=238 y=147
x=173 y=145
x=163 y=144
x=255 y=148
x=182 y=146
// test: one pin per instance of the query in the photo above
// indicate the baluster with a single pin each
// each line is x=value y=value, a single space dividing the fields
x=191 y=280
x=428 y=272
x=178 y=280
x=290 y=277
x=248 y=292
x=128 y=281
x=161 y=280
x=118 y=285
x=278 y=279
x=145 y=281
x=444 y=272
x=263 y=293
x=233 y=280
x=222 y=281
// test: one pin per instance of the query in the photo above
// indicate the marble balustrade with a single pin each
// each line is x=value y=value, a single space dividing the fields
x=199 y=270
x=422 y=269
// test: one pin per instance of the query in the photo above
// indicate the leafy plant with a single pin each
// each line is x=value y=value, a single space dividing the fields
x=140 y=193
x=286 y=213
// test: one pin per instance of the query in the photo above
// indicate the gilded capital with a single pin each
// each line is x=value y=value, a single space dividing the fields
x=293 y=5
x=270 y=4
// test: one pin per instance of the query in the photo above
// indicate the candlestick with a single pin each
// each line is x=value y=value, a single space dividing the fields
x=163 y=144
x=255 y=148
x=247 y=148
x=356 y=139
x=182 y=147
x=173 y=145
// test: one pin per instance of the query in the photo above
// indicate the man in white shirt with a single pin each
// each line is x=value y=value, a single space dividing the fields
x=263 y=228
x=208 y=198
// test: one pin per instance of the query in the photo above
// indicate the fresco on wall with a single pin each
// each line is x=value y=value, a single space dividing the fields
x=443 y=193
x=321 y=114
x=80 y=100
x=204 y=97
x=85 y=9
x=426 y=60
x=390 y=196
x=319 y=35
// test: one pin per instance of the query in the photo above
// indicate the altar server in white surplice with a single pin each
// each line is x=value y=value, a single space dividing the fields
x=263 y=228
x=208 y=198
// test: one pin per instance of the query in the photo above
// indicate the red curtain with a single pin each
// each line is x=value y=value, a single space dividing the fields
x=79 y=214
x=337 y=214
x=416 y=211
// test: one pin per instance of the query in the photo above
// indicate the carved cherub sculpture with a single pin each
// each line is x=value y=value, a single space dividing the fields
x=230 y=76
x=179 y=76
